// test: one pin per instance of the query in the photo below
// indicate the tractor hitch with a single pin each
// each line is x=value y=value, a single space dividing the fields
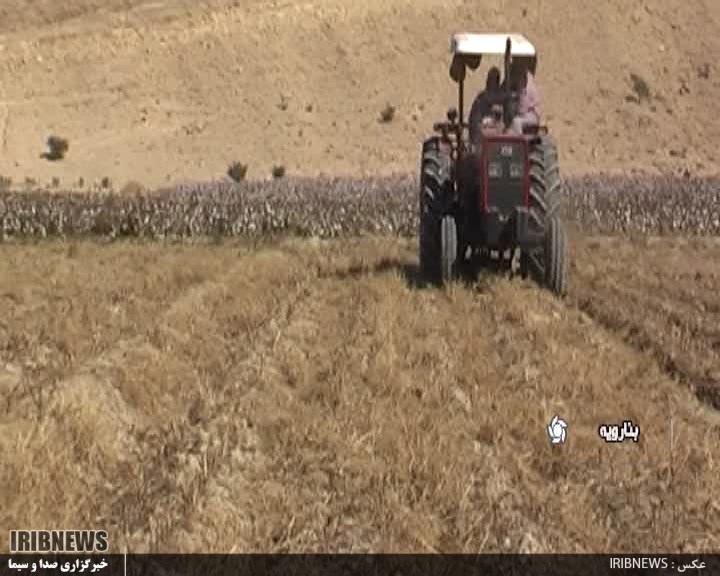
x=503 y=232
x=525 y=236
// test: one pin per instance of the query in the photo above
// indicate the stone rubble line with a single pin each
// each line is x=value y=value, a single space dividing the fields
x=331 y=207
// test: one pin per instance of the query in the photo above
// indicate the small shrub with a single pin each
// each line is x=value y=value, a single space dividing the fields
x=81 y=182
x=5 y=183
x=388 y=114
x=278 y=172
x=640 y=87
x=57 y=148
x=703 y=71
x=106 y=183
x=237 y=171
x=284 y=103
x=55 y=182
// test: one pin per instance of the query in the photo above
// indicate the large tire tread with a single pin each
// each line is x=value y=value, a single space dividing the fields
x=448 y=248
x=556 y=257
x=548 y=265
x=435 y=187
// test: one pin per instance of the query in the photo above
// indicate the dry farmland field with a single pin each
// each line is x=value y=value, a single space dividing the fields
x=199 y=359
x=296 y=393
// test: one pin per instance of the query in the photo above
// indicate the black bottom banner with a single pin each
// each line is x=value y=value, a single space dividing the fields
x=357 y=564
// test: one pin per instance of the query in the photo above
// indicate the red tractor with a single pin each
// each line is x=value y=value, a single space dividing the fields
x=496 y=200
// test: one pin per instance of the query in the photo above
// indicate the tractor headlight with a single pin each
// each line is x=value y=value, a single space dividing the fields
x=495 y=170
x=516 y=170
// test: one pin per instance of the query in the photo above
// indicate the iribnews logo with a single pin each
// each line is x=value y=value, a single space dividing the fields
x=83 y=541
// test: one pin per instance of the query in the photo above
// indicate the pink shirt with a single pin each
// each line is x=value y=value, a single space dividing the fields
x=529 y=97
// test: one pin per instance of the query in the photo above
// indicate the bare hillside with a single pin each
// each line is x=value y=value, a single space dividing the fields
x=173 y=90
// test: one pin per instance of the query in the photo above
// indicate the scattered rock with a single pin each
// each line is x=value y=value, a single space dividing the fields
x=463 y=398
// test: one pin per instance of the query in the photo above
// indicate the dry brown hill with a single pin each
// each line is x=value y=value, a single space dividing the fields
x=173 y=90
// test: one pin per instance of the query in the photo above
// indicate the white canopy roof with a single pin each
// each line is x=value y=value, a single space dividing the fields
x=482 y=44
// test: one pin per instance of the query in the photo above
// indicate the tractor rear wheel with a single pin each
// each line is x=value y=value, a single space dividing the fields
x=553 y=182
x=545 y=175
x=546 y=264
x=435 y=200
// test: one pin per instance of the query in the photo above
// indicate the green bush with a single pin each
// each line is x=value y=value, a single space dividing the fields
x=640 y=87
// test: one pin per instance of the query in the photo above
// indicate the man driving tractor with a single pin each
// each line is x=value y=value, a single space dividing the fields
x=522 y=82
x=484 y=102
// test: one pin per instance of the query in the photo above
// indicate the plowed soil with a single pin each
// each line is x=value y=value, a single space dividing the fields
x=311 y=395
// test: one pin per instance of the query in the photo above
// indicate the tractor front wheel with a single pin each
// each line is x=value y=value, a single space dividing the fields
x=436 y=190
x=448 y=248
x=556 y=260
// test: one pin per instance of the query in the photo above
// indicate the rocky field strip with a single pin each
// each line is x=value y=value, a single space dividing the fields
x=329 y=207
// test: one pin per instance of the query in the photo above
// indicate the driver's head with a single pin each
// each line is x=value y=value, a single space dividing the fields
x=493 y=79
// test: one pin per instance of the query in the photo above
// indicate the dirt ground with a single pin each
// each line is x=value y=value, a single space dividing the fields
x=175 y=90
x=310 y=395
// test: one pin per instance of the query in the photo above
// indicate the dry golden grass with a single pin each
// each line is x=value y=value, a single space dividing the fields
x=308 y=396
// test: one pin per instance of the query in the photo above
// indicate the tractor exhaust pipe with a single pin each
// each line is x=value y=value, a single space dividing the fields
x=461 y=101
x=507 y=114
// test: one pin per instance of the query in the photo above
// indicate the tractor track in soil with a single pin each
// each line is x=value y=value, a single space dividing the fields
x=110 y=350
x=198 y=449
x=660 y=296
x=237 y=469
